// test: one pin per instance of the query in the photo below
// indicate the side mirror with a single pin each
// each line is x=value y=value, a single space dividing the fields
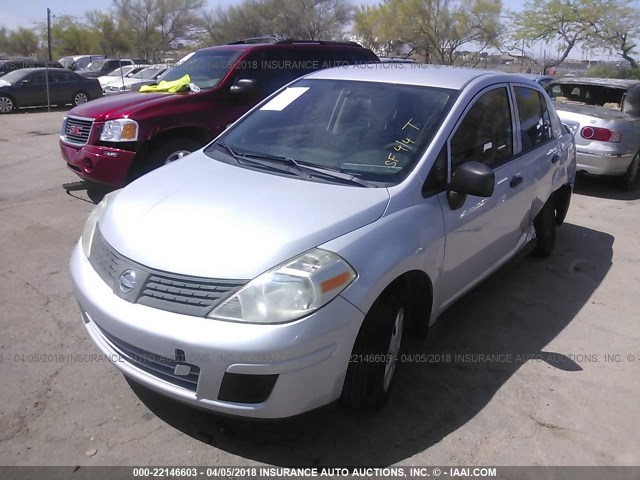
x=24 y=81
x=243 y=85
x=471 y=178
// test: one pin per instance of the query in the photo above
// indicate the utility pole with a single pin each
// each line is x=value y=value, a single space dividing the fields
x=49 y=33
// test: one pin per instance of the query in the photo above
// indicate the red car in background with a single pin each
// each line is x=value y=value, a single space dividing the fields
x=114 y=140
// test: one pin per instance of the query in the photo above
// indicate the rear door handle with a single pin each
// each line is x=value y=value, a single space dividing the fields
x=515 y=181
x=555 y=158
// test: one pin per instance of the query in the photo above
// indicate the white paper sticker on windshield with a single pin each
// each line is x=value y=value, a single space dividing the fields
x=285 y=99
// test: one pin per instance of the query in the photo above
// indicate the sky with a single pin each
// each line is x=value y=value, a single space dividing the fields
x=21 y=13
x=17 y=13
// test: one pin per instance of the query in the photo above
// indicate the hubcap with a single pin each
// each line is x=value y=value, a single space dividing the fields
x=176 y=156
x=81 y=98
x=394 y=349
x=6 y=105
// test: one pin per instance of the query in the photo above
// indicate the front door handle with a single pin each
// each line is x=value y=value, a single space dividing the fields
x=515 y=181
x=555 y=158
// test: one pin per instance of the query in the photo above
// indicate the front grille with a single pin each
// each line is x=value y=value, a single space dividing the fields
x=190 y=295
x=77 y=130
x=172 y=292
x=156 y=365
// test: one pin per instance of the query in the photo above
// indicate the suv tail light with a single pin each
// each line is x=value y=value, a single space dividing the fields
x=600 y=134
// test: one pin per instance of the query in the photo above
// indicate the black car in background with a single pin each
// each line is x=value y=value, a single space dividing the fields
x=15 y=63
x=27 y=87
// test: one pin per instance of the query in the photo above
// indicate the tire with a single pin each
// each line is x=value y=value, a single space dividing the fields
x=172 y=149
x=545 y=226
x=7 y=105
x=79 y=98
x=630 y=179
x=375 y=353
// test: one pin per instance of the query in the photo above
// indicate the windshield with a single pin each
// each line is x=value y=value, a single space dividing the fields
x=148 y=73
x=374 y=131
x=15 y=76
x=205 y=68
x=118 y=72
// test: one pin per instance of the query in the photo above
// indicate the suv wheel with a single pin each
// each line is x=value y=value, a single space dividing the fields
x=172 y=150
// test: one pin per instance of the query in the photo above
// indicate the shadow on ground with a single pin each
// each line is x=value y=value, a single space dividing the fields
x=604 y=187
x=518 y=311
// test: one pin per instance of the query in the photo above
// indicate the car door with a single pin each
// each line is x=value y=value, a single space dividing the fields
x=33 y=89
x=65 y=86
x=538 y=136
x=484 y=232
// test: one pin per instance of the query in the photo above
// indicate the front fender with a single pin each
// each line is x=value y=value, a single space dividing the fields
x=409 y=239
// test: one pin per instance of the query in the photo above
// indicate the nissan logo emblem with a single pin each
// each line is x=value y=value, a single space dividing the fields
x=127 y=281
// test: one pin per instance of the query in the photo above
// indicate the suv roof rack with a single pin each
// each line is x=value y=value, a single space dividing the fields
x=283 y=41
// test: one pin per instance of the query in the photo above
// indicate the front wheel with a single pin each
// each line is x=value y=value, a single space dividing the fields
x=171 y=150
x=6 y=104
x=545 y=227
x=79 y=98
x=373 y=361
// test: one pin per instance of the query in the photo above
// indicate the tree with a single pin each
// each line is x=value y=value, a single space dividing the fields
x=158 y=25
x=434 y=29
x=4 y=40
x=23 y=41
x=109 y=33
x=70 y=37
x=620 y=29
x=567 y=23
x=299 y=19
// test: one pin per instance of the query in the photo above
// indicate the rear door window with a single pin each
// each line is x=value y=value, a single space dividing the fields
x=535 y=121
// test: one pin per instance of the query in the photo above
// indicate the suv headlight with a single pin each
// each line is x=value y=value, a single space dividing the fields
x=289 y=291
x=90 y=225
x=121 y=130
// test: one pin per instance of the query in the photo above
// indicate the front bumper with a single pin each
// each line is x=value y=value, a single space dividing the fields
x=603 y=164
x=106 y=165
x=308 y=356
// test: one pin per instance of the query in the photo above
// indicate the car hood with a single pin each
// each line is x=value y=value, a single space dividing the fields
x=120 y=106
x=205 y=218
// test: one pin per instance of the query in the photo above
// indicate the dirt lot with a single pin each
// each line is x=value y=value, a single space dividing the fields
x=518 y=372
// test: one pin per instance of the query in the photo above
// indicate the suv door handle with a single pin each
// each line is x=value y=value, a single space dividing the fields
x=515 y=181
x=555 y=158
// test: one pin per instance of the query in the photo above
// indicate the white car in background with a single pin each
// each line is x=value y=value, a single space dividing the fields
x=146 y=76
x=120 y=73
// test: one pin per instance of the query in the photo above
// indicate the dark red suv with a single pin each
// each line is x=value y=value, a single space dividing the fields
x=114 y=140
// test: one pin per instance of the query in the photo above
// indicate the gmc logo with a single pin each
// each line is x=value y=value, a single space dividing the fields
x=75 y=130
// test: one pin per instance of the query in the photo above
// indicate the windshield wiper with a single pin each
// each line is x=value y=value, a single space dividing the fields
x=311 y=169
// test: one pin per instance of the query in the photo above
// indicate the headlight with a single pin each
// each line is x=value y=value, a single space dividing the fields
x=122 y=130
x=289 y=291
x=92 y=221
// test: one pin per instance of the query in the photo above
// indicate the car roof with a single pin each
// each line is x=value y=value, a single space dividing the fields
x=534 y=76
x=39 y=69
x=408 y=74
x=605 y=82
x=297 y=44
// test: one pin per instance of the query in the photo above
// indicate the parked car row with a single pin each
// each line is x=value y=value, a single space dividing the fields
x=280 y=267
x=38 y=86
